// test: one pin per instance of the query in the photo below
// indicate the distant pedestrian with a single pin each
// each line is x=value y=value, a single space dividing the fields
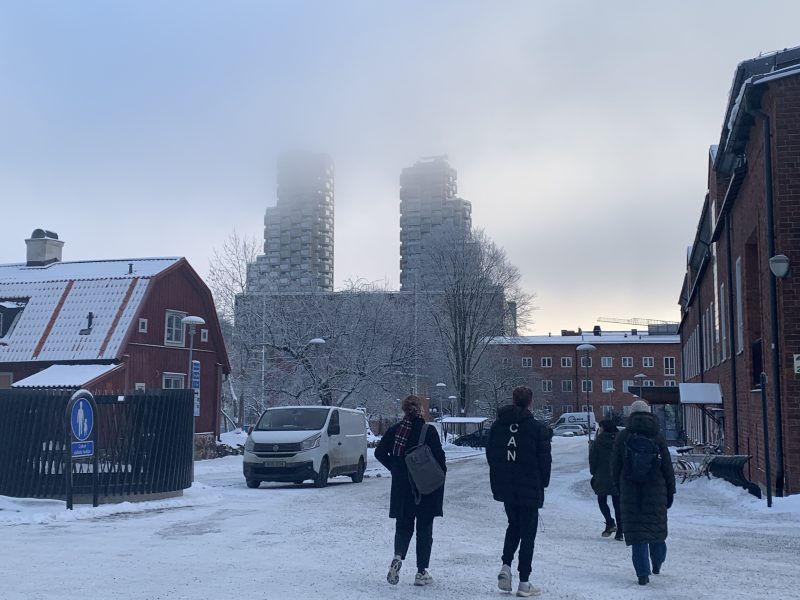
x=518 y=451
x=602 y=482
x=403 y=505
x=642 y=470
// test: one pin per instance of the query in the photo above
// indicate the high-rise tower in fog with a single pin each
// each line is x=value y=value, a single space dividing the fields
x=428 y=206
x=298 y=230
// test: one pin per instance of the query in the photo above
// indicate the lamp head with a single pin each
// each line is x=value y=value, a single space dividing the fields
x=779 y=265
x=192 y=320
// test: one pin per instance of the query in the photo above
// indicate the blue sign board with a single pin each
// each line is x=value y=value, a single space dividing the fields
x=80 y=449
x=196 y=386
x=82 y=419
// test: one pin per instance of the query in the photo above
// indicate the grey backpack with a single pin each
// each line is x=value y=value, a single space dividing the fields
x=424 y=471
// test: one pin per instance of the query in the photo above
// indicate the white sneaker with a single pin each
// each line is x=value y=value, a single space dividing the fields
x=504 y=578
x=394 y=571
x=526 y=589
x=423 y=578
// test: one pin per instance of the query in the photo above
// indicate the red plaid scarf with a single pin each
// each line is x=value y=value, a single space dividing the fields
x=401 y=437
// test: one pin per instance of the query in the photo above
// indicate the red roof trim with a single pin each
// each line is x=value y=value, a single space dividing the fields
x=118 y=316
x=52 y=320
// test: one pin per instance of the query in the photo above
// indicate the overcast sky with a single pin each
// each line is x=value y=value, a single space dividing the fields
x=580 y=130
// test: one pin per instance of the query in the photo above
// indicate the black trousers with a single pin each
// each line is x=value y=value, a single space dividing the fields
x=602 y=502
x=520 y=533
x=404 y=530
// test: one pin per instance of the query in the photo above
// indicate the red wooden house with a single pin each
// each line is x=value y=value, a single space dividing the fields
x=108 y=326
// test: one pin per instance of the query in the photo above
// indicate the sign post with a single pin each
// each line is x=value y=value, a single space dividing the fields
x=81 y=439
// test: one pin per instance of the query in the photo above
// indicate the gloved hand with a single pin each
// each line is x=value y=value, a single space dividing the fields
x=670 y=498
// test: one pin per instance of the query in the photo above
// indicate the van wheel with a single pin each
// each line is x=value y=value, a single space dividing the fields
x=358 y=476
x=253 y=484
x=321 y=480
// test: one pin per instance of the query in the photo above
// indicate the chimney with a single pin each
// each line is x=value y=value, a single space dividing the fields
x=44 y=248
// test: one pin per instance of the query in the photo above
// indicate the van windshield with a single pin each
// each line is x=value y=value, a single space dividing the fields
x=293 y=419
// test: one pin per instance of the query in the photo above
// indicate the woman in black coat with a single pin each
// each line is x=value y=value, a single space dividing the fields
x=602 y=481
x=402 y=506
x=644 y=505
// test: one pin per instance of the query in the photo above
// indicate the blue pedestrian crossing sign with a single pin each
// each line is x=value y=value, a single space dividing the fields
x=82 y=423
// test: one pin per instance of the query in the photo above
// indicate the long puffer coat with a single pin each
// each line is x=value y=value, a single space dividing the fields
x=401 y=502
x=644 y=505
x=518 y=452
x=600 y=464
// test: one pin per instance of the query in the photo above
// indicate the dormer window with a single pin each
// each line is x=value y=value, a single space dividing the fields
x=173 y=330
x=10 y=311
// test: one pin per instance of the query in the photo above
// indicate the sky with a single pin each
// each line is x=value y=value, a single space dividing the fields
x=579 y=129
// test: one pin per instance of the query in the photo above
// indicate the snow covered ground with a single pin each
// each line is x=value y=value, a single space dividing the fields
x=223 y=540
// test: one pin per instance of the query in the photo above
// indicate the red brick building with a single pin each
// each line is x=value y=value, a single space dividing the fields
x=563 y=377
x=738 y=318
x=108 y=326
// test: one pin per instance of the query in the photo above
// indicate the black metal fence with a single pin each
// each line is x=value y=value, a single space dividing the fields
x=144 y=444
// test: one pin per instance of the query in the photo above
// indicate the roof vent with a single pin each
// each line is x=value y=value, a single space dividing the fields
x=44 y=248
x=597 y=330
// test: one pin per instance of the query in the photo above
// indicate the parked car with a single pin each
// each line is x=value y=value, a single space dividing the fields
x=476 y=439
x=296 y=443
x=568 y=430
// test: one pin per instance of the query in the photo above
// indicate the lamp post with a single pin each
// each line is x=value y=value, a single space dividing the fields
x=191 y=322
x=586 y=349
x=641 y=377
x=779 y=265
x=610 y=392
x=440 y=387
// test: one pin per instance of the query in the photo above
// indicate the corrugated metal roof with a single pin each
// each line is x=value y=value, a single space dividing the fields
x=65 y=376
x=611 y=338
x=60 y=298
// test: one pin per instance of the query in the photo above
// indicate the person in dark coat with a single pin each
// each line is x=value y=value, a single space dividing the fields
x=518 y=452
x=403 y=507
x=644 y=505
x=602 y=482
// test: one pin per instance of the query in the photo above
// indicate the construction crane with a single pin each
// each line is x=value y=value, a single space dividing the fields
x=635 y=321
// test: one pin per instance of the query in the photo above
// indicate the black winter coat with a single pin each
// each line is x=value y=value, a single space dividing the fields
x=600 y=464
x=518 y=452
x=401 y=503
x=644 y=505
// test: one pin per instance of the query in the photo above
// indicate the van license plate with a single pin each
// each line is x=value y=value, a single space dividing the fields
x=274 y=463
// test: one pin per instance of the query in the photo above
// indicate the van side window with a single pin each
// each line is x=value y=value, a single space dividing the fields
x=333 y=425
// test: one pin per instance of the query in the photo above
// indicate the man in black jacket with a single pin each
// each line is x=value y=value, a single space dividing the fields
x=519 y=458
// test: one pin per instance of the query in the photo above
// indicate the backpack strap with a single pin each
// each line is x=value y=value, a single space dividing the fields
x=423 y=434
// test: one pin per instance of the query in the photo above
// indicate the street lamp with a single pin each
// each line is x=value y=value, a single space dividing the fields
x=452 y=404
x=610 y=392
x=192 y=322
x=641 y=377
x=440 y=390
x=779 y=265
x=586 y=349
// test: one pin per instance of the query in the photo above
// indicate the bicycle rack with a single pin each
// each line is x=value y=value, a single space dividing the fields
x=731 y=469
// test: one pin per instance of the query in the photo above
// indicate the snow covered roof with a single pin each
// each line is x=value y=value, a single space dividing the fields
x=65 y=376
x=474 y=420
x=53 y=325
x=595 y=340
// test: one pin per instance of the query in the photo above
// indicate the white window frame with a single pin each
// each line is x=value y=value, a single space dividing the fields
x=649 y=383
x=566 y=385
x=607 y=384
x=627 y=383
x=177 y=377
x=527 y=362
x=723 y=323
x=547 y=362
x=627 y=361
x=566 y=408
x=608 y=411
x=669 y=365
x=506 y=363
x=648 y=362
x=586 y=385
x=204 y=335
x=139 y=387
x=142 y=325
x=566 y=362
x=586 y=362
x=547 y=385
x=739 y=308
x=670 y=383
x=172 y=342
x=607 y=362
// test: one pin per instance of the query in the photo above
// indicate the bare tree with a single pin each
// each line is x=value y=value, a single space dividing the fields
x=473 y=295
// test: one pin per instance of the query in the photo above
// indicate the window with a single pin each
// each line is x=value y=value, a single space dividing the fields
x=586 y=361
x=566 y=361
x=586 y=385
x=607 y=361
x=566 y=385
x=669 y=365
x=172 y=381
x=626 y=383
x=173 y=330
x=566 y=408
x=648 y=361
x=527 y=361
x=142 y=325
x=547 y=385
x=10 y=311
x=723 y=323
x=506 y=363
x=547 y=361
x=739 y=310
x=608 y=385
x=138 y=387
x=627 y=361
x=626 y=410
x=670 y=383
x=648 y=383
x=608 y=411
x=204 y=335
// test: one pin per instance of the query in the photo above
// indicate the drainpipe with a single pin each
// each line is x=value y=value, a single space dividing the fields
x=731 y=336
x=773 y=299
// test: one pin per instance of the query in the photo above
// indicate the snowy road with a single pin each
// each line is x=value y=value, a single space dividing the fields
x=223 y=540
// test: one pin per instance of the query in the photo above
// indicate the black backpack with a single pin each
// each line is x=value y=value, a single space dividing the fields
x=642 y=460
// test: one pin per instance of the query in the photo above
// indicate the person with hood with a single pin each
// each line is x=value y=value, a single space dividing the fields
x=641 y=467
x=403 y=506
x=602 y=482
x=518 y=452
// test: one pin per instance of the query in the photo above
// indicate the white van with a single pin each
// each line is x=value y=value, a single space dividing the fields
x=296 y=443
x=576 y=418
